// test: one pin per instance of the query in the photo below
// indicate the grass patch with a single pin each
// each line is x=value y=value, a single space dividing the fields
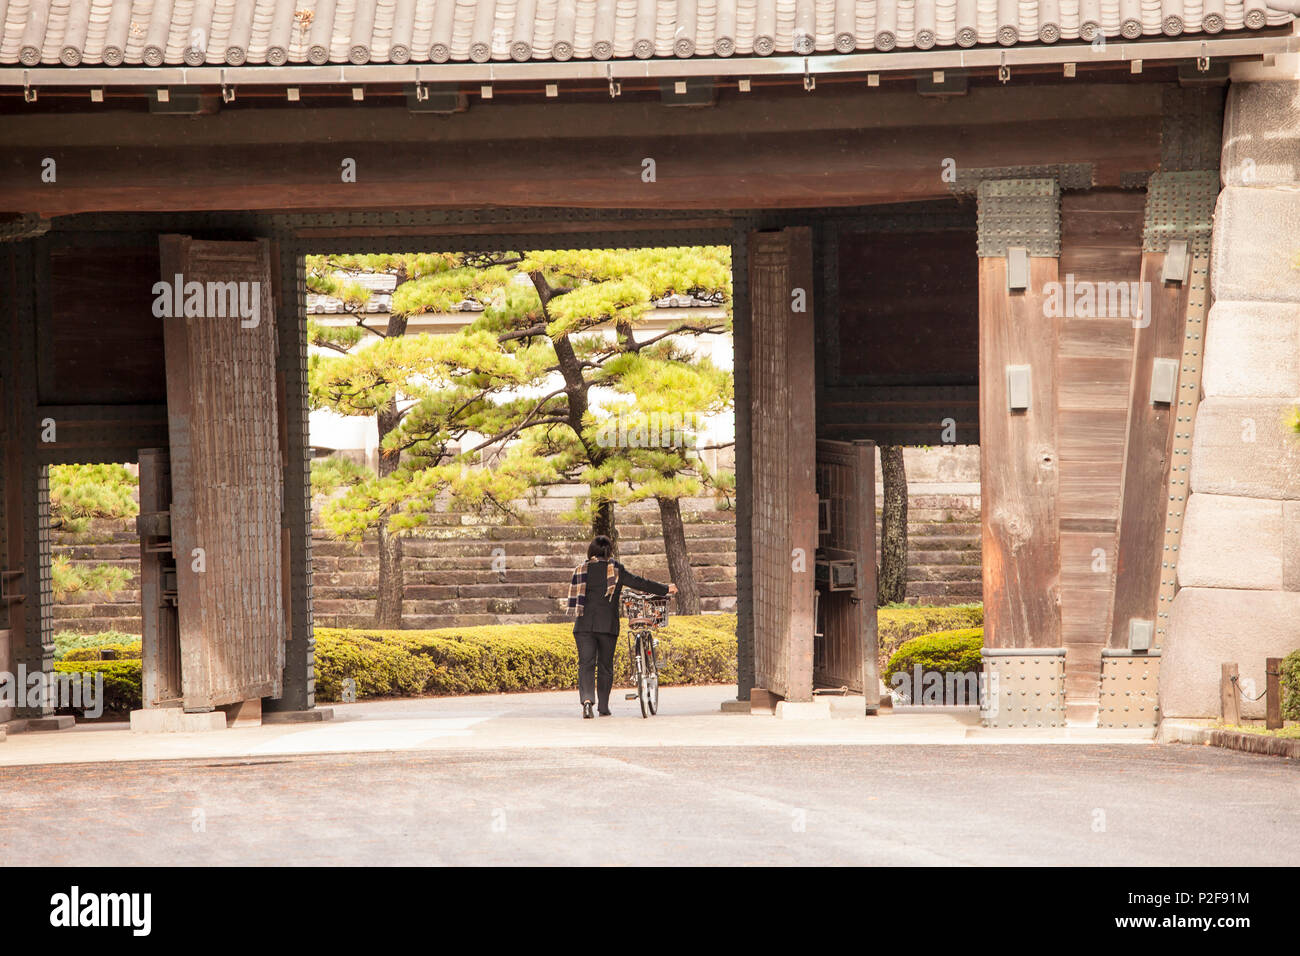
x=1289 y=732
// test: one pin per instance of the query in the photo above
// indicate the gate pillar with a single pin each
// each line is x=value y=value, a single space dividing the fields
x=1019 y=246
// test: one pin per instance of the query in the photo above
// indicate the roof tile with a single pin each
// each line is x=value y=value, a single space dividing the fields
x=277 y=32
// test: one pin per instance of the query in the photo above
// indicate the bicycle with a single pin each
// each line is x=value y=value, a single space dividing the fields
x=646 y=613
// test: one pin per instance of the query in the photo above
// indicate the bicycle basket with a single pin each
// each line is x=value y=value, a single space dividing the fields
x=645 y=609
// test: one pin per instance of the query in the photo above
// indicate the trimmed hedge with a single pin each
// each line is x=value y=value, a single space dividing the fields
x=506 y=658
x=122 y=690
x=949 y=652
x=528 y=657
x=898 y=624
x=1291 y=686
x=104 y=652
x=67 y=641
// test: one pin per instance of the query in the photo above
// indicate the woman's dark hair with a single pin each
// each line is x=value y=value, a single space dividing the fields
x=600 y=548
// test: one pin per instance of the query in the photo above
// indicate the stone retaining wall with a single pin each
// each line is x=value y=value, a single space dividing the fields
x=451 y=577
x=1239 y=558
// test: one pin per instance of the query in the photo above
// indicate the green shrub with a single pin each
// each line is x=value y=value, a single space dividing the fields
x=122 y=693
x=506 y=658
x=899 y=623
x=949 y=652
x=1291 y=686
x=67 y=641
x=104 y=652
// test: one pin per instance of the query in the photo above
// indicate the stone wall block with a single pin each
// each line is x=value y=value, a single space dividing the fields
x=1230 y=542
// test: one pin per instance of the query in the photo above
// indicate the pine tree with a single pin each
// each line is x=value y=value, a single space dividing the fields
x=513 y=391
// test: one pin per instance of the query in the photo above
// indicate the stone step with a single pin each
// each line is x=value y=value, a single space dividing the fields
x=421 y=548
x=944 y=542
x=99 y=611
x=97 y=625
x=919 y=557
x=78 y=598
x=98 y=552
x=957 y=591
x=920 y=529
x=931 y=573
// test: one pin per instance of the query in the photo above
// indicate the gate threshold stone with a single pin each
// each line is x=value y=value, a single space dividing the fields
x=173 y=720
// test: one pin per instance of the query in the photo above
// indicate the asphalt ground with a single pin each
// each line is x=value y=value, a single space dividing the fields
x=878 y=805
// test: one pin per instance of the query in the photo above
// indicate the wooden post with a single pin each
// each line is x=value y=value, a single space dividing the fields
x=783 y=488
x=1273 y=693
x=1231 y=703
x=1018 y=446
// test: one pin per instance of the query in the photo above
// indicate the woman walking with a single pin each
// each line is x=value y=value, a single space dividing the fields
x=596 y=608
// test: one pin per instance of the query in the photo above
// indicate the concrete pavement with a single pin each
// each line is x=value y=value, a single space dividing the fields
x=689 y=717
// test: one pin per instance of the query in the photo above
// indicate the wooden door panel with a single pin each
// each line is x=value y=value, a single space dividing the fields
x=226 y=476
x=783 y=429
x=845 y=653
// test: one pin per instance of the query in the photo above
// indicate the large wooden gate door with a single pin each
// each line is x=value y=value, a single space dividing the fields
x=845 y=647
x=225 y=469
x=783 y=448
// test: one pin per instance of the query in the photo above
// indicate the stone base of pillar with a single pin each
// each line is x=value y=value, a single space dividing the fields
x=173 y=720
x=819 y=709
x=24 y=725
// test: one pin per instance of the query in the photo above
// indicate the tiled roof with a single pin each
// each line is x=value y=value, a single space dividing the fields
x=279 y=32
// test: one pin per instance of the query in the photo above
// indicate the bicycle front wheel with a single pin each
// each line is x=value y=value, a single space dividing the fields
x=650 y=672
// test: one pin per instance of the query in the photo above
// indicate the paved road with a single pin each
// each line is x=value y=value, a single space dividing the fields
x=877 y=805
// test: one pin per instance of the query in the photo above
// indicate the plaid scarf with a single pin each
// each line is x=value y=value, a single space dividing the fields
x=578 y=585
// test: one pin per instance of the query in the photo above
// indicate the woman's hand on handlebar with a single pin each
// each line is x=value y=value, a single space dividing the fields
x=672 y=589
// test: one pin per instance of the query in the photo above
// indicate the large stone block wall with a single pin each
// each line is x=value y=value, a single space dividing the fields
x=1239 y=558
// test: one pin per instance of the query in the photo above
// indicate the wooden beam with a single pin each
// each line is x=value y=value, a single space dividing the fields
x=760 y=169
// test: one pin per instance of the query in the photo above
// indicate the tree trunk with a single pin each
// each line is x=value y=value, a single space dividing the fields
x=392 y=583
x=679 y=562
x=893 y=527
x=388 y=606
x=602 y=522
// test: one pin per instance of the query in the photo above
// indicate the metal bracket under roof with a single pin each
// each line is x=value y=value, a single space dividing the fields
x=1068 y=175
x=1019 y=212
x=1180 y=206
